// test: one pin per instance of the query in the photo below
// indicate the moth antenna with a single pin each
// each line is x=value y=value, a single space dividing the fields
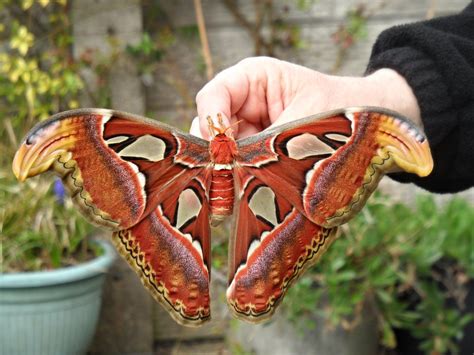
x=235 y=123
x=230 y=128
x=212 y=127
x=220 y=120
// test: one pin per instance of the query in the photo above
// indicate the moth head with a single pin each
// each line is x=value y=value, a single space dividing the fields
x=220 y=129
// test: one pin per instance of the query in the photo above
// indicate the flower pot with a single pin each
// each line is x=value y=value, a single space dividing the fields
x=52 y=312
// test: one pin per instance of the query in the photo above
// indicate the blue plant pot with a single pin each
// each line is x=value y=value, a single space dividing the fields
x=52 y=312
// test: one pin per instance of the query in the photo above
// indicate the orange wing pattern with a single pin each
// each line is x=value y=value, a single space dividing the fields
x=296 y=180
x=272 y=244
x=141 y=179
x=151 y=184
x=328 y=165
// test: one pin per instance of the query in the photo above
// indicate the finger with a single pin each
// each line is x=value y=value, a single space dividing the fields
x=247 y=129
x=300 y=108
x=291 y=113
x=225 y=94
x=195 y=129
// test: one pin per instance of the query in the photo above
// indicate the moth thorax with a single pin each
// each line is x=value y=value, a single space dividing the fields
x=222 y=149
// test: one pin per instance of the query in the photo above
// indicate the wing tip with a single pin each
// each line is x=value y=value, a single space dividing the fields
x=181 y=318
x=250 y=312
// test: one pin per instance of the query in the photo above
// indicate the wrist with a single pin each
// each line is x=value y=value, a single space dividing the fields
x=389 y=89
x=383 y=88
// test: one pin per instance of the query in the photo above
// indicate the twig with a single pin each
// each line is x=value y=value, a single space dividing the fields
x=88 y=91
x=11 y=132
x=206 y=52
x=430 y=13
x=253 y=31
x=365 y=13
x=269 y=11
x=258 y=25
x=175 y=78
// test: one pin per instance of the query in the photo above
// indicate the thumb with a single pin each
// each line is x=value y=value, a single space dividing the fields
x=195 y=129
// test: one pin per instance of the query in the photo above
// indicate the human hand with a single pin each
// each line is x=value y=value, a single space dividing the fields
x=263 y=91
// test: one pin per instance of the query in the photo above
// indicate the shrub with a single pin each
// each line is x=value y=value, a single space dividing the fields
x=407 y=261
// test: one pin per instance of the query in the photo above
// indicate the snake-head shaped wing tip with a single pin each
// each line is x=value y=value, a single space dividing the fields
x=406 y=143
x=20 y=166
x=41 y=147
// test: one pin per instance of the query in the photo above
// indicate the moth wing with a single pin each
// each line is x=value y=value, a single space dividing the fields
x=328 y=165
x=144 y=180
x=272 y=244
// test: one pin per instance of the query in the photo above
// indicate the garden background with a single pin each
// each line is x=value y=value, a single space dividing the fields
x=147 y=57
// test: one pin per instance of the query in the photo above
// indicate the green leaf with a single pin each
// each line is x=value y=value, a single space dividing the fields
x=388 y=336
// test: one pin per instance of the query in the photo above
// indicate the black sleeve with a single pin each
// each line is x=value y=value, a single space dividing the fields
x=436 y=57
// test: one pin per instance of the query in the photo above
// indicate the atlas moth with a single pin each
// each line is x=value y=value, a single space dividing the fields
x=158 y=189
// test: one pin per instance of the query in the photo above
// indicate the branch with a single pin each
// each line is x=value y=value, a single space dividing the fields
x=206 y=52
x=431 y=12
x=253 y=30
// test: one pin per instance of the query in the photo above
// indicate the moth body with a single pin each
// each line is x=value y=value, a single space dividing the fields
x=223 y=150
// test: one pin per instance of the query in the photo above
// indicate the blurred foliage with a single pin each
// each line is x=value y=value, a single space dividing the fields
x=220 y=247
x=305 y=4
x=37 y=73
x=352 y=30
x=406 y=263
x=148 y=52
x=39 y=232
x=272 y=29
x=38 y=77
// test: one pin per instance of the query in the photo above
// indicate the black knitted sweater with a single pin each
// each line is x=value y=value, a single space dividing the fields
x=436 y=57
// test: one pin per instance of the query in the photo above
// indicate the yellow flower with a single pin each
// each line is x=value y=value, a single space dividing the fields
x=22 y=41
x=73 y=104
x=26 y=4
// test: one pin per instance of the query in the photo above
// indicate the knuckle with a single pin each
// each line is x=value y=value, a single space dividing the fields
x=201 y=94
x=251 y=61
